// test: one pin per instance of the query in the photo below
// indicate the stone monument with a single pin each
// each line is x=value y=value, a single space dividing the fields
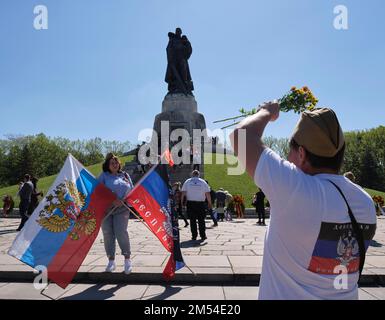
x=179 y=106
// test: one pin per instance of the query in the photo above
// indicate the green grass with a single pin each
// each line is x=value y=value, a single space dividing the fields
x=216 y=174
x=45 y=183
x=375 y=193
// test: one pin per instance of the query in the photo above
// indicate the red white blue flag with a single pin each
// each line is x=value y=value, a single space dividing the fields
x=62 y=229
x=152 y=199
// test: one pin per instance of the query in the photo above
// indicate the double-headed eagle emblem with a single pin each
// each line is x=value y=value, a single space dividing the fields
x=347 y=248
x=65 y=207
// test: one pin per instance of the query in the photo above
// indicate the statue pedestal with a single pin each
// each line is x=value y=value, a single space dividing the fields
x=179 y=103
x=181 y=112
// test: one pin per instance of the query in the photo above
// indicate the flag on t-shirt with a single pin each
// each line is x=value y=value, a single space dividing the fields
x=337 y=245
x=152 y=199
x=62 y=229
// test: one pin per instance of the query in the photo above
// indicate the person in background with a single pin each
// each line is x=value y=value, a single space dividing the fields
x=211 y=211
x=379 y=210
x=115 y=224
x=220 y=203
x=178 y=202
x=228 y=210
x=196 y=159
x=196 y=191
x=25 y=194
x=34 y=196
x=259 y=203
x=8 y=205
x=350 y=176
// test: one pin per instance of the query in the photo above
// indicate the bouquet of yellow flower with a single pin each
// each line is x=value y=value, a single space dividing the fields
x=297 y=100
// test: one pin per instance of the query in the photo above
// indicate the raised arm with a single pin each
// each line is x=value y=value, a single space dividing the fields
x=246 y=139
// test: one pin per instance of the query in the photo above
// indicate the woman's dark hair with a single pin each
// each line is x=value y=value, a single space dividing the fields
x=334 y=163
x=106 y=163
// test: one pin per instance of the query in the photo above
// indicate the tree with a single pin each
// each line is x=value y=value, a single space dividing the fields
x=41 y=156
x=18 y=162
x=94 y=151
x=47 y=155
x=116 y=147
x=3 y=171
x=279 y=145
x=370 y=173
x=365 y=157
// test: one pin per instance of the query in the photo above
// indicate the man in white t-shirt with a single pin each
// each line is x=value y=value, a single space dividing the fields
x=196 y=191
x=314 y=233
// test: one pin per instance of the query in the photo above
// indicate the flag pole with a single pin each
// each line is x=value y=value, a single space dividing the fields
x=190 y=269
x=46 y=287
x=134 y=213
x=141 y=220
x=108 y=214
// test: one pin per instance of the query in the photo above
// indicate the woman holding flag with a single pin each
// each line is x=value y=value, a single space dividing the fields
x=115 y=224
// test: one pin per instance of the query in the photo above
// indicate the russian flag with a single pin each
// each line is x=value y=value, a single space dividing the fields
x=152 y=199
x=62 y=229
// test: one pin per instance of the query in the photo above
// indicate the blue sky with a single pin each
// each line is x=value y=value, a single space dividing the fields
x=99 y=68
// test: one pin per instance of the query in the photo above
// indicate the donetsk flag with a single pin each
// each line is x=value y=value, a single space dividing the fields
x=337 y=245
x=62 y=229
x=152 y=199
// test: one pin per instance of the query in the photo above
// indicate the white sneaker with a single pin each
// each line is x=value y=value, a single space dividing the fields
x=127 y=266
x=111 y=266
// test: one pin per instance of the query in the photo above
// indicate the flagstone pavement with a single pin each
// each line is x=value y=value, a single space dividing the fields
x=232 y=254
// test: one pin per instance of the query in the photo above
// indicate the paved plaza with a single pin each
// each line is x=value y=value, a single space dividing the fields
x=228 y=265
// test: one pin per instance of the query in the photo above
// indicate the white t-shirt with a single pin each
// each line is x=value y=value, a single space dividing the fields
x=195 y=189
x=310 y=232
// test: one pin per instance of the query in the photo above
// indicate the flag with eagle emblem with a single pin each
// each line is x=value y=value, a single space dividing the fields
x=62 y=229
